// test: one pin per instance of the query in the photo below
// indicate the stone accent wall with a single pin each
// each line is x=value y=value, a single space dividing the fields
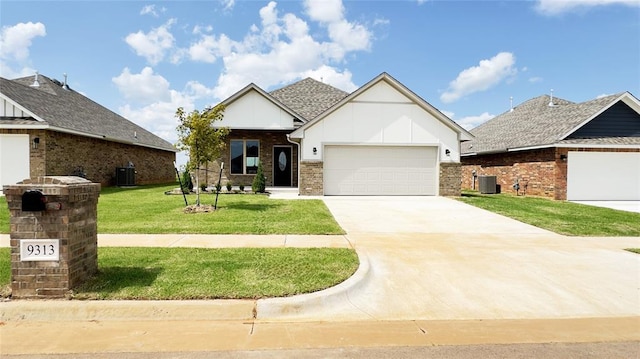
x=61 y=154
x=267 y=139
x=539 y=172
x=311 y=178
x=71 y=218
x=450 y=178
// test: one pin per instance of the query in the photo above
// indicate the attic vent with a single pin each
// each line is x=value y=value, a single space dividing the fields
x=551 y=104
x=35 y=81
x=65 y=86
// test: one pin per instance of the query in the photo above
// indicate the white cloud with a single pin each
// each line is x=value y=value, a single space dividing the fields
x=144 y=87
x=153 y=45
x=155 y=103
x=281 y=49
x=535 y=79
x=557 y=7
x=151 y=10
x=14 y=45
x=228 y=4
x=487 y=74
x=470 y=122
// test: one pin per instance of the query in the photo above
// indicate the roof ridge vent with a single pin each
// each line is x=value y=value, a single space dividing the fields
x=551 y=104
x=65 y=86
x=35 y=83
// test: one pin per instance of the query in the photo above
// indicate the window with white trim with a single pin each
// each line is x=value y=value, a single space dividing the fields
x=245 y=155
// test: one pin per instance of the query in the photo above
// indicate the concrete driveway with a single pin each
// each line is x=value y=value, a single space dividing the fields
x=437 y=258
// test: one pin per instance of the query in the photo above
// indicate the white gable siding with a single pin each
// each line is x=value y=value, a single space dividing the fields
x=380 y=115
x=9 y=110
x=253 y=111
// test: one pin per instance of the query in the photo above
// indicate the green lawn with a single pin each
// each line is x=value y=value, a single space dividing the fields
x=147 y=210
x=562 y=217
x=199 y=273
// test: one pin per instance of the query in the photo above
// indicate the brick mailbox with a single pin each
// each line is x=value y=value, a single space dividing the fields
x=54 y=235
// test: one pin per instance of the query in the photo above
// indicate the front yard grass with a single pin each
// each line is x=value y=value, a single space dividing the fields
x=562 y=217
x=204 y=273
x=147 y=210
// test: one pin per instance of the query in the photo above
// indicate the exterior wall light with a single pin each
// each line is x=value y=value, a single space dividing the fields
x=315 y=151
x=563 y=158
x=36 y=142
x=447 y=152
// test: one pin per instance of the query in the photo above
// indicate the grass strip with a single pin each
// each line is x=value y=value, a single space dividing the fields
x=572 y=219
x=147 y=210
x=202 y=273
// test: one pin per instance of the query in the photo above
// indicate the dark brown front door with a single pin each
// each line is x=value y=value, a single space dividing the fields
x=282 y=166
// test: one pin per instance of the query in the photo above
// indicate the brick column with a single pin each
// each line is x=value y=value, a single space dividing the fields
x=450 y=179
x=55 y=248
x=311 y=178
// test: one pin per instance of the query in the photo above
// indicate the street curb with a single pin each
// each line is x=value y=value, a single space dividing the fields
x=299 y=306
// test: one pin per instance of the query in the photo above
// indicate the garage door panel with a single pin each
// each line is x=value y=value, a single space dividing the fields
x=606 y=176
x=380 y=170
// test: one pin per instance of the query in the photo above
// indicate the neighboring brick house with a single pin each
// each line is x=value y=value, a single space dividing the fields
x=559 y=149
x=48 y=129
x=382 y=139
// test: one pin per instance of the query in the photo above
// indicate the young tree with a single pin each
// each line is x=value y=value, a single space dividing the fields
x=259 y=182
x=198 y=137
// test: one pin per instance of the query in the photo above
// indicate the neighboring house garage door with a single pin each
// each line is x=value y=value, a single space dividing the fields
x=605 y=176
x=14 y=158
x=380 y=170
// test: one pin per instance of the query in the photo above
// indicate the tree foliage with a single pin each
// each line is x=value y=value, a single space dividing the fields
x=199 y=138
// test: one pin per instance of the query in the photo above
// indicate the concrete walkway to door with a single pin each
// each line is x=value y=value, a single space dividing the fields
x=437 y=258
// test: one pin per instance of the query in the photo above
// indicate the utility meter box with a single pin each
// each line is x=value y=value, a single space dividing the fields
x=53 y=235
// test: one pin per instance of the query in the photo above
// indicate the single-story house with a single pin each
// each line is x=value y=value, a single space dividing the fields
x=381 y=139
x=559 y=149
x=48 y=129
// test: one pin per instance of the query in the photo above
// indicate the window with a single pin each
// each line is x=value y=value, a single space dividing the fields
x=245 y=156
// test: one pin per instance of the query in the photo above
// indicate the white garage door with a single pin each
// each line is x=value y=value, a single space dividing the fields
x=603 y=176
x=14 y=158
x=380 y=170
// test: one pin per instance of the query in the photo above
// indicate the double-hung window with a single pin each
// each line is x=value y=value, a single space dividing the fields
x=245 y=155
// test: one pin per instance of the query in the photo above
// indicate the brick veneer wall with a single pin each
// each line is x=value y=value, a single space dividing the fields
x=542 y=171
x=74 y=225
x=267 y=139
x=450 y=177
x=59 y=154
x=311 y=178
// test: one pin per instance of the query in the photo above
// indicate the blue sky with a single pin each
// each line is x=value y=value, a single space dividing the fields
x=143 y=59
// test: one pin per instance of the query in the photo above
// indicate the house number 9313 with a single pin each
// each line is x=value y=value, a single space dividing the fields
x=39 y=250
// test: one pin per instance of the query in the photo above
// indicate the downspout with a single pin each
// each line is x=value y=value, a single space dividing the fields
x=299 y=158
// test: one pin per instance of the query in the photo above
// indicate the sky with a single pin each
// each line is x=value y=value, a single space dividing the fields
x=469 y=59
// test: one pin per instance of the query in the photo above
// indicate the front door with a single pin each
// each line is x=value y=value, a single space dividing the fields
x=282 y=166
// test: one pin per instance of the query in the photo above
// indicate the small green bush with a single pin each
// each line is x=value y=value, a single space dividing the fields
x=218 y=187
x=241 y=188
x=229 y=186
x=203 y=187
x=187 y=184
x=259 y=181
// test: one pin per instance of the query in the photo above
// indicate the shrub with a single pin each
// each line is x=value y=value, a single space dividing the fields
x=259 y=185
x=218 y=187
x=241 y=188
x=229 y=186
x=203 y=187
x=187 y=184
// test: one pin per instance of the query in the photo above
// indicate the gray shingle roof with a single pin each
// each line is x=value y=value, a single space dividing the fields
x=535 y=123
x=308 y=97
x=68 y=110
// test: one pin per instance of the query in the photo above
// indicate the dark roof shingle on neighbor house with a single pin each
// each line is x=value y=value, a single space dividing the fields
x=308 y=97
x=62 y=109
x=536 y=123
